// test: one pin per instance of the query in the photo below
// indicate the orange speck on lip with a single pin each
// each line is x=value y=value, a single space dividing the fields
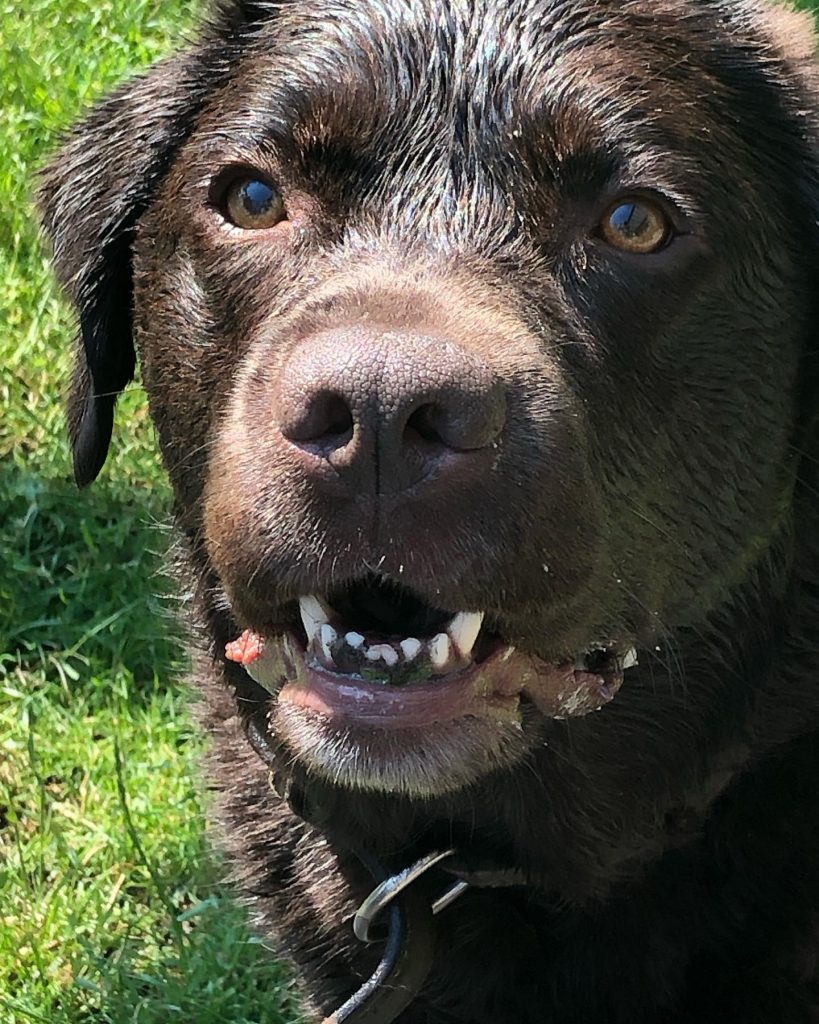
x=246 y=649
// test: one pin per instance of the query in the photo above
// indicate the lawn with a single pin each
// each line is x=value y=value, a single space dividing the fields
x=113 y=905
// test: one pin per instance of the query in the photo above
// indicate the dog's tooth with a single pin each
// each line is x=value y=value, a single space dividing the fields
x=387 y=652
x=629 y=659
x=582 y=663
x=463 y=630
x=354 y=640
x=328 y=637
x=410 y=647
x=289 y=651
x=314 y=613
x=439 y=650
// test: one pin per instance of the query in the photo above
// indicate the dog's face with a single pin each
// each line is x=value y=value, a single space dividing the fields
x=475 y=336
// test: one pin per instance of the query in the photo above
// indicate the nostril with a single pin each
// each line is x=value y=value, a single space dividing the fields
x=425 y=423
x=460 y=422
x=337 y=417
x=324 y=422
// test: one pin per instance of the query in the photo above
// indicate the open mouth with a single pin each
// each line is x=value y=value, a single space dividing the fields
x=375 y=654
x=385 y=634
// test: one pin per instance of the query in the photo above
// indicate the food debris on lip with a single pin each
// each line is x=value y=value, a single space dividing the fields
x=246 y=649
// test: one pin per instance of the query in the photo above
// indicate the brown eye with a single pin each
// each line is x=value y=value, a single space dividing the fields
x=636 y=225
x=253 y=204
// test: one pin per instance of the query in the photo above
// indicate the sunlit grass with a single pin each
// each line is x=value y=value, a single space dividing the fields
x=112 y=907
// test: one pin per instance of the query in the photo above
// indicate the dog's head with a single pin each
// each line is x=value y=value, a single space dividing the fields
x=478 y=338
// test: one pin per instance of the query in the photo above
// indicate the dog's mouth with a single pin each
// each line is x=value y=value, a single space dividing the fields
x=385 y=634
x=373 y=653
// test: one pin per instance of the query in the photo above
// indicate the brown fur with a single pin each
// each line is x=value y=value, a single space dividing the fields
x=652 y=478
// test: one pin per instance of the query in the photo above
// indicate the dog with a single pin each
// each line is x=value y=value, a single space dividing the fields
x=480 y=337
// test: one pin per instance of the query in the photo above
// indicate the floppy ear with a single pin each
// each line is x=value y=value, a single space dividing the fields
x=91 y=196
x=94 y=191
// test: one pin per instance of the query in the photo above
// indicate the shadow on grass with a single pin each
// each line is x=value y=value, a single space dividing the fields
x=82 y=590
x=184 y=953
x=197 y=961
x=191 y=954
x=144 y=929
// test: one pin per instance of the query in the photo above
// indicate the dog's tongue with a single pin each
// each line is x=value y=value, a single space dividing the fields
x=490 y=689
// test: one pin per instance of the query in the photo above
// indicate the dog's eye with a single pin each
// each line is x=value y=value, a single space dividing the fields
x=636 y=225
x=253 y=204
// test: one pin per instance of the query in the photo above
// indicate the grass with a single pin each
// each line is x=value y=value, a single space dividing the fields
x=113 y=908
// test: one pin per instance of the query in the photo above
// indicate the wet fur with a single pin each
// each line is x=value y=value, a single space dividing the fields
x=662 y=452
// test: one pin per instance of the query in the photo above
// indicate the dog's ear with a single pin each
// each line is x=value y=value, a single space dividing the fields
x=91 y=195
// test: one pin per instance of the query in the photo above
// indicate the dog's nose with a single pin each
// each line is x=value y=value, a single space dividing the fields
x=388 y=409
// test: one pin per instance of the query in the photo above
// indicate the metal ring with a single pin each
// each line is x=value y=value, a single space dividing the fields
x=452 y=893
x=383 y=894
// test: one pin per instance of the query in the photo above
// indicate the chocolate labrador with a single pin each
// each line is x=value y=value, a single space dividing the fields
x=481 y=341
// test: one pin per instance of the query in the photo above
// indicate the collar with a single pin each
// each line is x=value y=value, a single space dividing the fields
x=402 y=900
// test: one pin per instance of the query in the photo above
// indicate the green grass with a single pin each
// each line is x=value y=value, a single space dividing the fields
x=112 y=907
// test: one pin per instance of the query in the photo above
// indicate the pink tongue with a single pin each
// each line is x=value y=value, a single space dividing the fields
x=491 y=689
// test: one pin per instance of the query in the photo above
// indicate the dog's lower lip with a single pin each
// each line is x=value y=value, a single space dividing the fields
x=491 y=689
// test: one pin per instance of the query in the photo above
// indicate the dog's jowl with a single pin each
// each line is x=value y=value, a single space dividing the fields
x=481 y=340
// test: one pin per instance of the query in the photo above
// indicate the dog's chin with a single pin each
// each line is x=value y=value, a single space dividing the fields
x=417 y=762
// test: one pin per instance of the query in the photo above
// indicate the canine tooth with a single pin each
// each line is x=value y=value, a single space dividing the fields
x=287 y=647
x=410 y=647
x=328 y=637
x=464 y=630
x=629 y=659
x=313 y=614
x=439 y=650
x=354 y=640
x=386 y=651
x=582 y=664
